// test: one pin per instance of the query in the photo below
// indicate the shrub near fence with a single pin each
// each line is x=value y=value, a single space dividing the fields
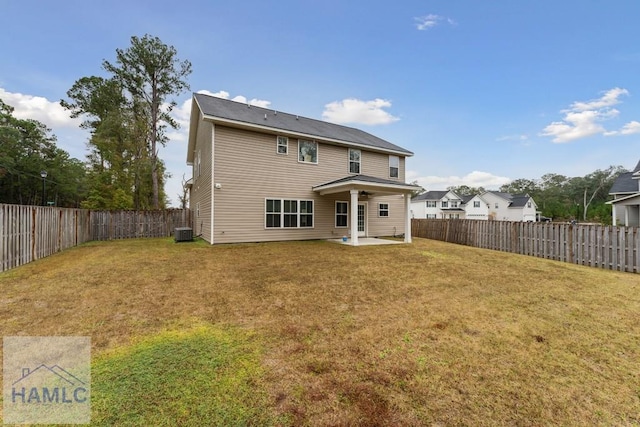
x=608 y=247
x=28 y=233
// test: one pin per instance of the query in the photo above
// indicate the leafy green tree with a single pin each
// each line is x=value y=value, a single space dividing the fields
x=151 y=73
x=27 y=148
x=521 y=186
x=465 y=190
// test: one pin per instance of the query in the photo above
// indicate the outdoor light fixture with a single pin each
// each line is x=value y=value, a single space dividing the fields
x=43 y=174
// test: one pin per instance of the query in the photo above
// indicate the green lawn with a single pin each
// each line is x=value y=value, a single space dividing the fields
x=315 y=333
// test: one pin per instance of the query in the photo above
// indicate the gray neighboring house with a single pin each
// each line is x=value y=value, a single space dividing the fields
x=625 y=206
x=264 y=175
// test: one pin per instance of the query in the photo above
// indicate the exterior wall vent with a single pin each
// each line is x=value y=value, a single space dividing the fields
x=183 y=234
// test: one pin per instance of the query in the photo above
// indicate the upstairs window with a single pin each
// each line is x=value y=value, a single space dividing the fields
x=445 y=204
x=307 y=151
x=431 y=204
x=454 y=203
x=497 y=206
x=394 y=166
x=476 y=204
x=283 y=145
x=528 y=204
x=354 y=160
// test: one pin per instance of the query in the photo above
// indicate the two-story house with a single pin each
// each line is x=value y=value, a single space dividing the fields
x=510 y=207
x=448 y=205
x=437 y=204
x=264 y=175
x=625 y=206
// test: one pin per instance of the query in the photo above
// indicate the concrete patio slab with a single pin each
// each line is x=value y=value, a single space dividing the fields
x=367 y=241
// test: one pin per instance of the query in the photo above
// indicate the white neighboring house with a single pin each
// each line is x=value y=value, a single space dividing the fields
x=510 y=207
x=437 y=204
x=448 y=205
x=475 y=207
x=626 y=199
x=492 y=205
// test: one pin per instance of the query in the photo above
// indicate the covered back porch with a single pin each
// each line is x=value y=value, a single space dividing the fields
x=360 y=189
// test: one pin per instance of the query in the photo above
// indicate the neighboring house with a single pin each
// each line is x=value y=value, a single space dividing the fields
x=437 y=204
x=625 y=206
x=475 y=207
x=510 y=207
x=263 y=175
x=488 y=205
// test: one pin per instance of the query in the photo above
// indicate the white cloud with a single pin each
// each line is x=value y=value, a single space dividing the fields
x=357 y=111
x=583 y=119
x=609 y=99
x=474 y=179
x=630 y=128
x=427 y=22
x=521 y=138
x=39 y=108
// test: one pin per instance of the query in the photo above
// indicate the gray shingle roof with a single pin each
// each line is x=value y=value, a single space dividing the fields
x=279 y=121
x=625 y=183
x=366 y=178
x=519 y=200
x=430 y=195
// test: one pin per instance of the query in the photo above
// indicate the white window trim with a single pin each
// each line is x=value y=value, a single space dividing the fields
x=359 y=162
x=284 y=139
x=391 y=166
x=317 y=151
x=444 y=204
x=432 y=202
x=282 y=214
x=476 y=204
x=387 y=210
x=335 y=214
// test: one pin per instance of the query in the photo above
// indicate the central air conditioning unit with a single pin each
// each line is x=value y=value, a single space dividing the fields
x=183 y=234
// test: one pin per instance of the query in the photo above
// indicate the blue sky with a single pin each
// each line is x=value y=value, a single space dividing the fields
x=482 y=92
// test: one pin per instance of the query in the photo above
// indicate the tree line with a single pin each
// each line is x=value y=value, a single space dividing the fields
x=564 y=198
x=127 y=112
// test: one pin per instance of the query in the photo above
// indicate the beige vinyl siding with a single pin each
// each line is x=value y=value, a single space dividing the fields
x=201 y=187
x=386 y=226
x=377 y=164
x=250 y=171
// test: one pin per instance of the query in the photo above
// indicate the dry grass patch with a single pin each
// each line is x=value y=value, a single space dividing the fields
x=420 y=334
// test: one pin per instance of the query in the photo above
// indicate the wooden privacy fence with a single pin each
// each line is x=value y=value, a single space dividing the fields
x=608 y=247
x=28 y=233
x=108 y=225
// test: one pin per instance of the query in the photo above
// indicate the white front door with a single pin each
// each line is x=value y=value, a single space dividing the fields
x=362 y=219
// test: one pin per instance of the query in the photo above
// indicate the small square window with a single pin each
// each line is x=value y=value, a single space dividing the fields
x=476 y=204
x=383 y=209
x=283 y=145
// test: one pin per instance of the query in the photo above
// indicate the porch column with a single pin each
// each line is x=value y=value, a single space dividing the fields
x=354 y=217
x=613 y=213
x=407 y=218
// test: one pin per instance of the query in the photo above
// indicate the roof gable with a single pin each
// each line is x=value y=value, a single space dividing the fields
x=624 y=184
x=240 y=114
